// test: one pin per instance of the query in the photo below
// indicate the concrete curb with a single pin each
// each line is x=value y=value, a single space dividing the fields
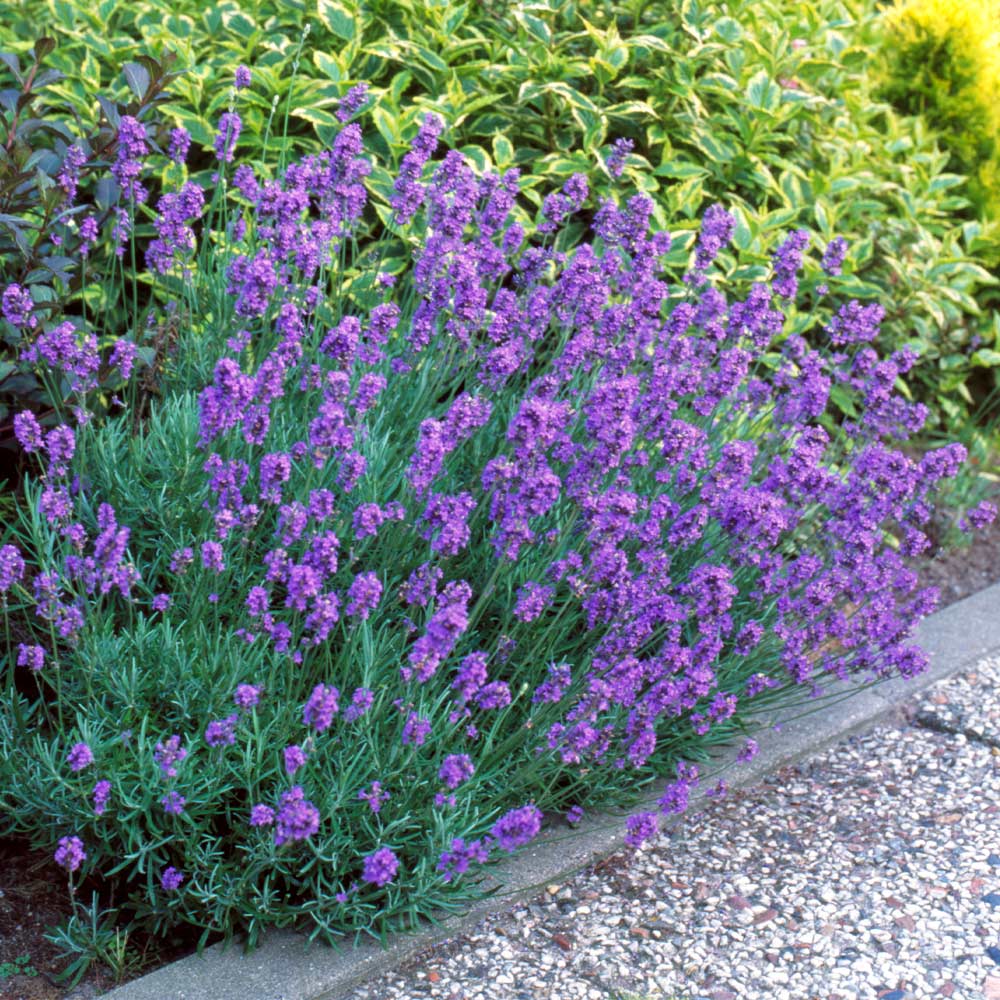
x=282 y=968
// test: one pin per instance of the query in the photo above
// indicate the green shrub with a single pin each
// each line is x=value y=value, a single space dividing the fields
x=49 y=169
x=420 y=545
x=768 y=105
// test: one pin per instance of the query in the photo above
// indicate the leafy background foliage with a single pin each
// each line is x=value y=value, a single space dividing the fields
x=771 y=107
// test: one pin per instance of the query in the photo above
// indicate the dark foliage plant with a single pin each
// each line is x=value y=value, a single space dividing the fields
x=56 y=197
x=441 y=521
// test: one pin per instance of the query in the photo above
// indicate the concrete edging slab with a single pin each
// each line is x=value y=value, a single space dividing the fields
x=282 y=968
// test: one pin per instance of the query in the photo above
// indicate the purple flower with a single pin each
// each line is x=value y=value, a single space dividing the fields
x=421 y=585
x=180 y=143
x=261 y=815
x=132 y=147
x=321 y=707
x=560 y=676
x=180 y=560
x=409 y=192
x=457 y=767
x=222 y=732
x=88 y=235
x=73 y=161
x=168 y=755
x=176 y=240
x=416 y=730
x=70 y=853
x=60 y=443
x=230 y=125
x=257 y=602
x=446 y=519
x=102 y=793
x=247 y=696
x=556 y=208
x=448 y=622
x=517 y=827
x=457 y=860
x=352 y=102
x=978 y=517
x=641 y=828
x=574 y=815
x=620 y=150
x=717 y=227
x=16 y=305
x=11 y=567
x=363 y=595
x=361 y=701
x=380 y=868
x=834 y=255
x=173 y=803
x=171 y=879
x=374 y=796
x=471 y=675
x=80 y=756
x=532 y=600
x=32 y=657
x=28 y=431
x=212 y=557
x=242 y=77
x=297 y=817
x=496 y=694
x=160 y=602
x=787 y=261
x=295 y=757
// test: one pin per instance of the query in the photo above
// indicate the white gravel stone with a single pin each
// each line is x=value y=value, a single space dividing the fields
x=861 y=872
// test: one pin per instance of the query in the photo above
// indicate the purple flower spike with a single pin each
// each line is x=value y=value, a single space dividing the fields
x=222 y=732
x=102 y=793
x=230 y=126
x=16 y=305
x=180 y=143
x=321 y=707
x=247 y=696
x=380 y=868
x=620 y=150
x=168 y=755
x=295 y=757
x=457 y=767
x=173 y=803
x=242 y=78
x=517 y=827
x=261 y=815
x=641 y=828
x=70 y=853
x=297 y=818
x=352 y=102
x=79 y=757
x=171 y=879
x=11 y=567
x=32 y=657
x=28 y=432
x=457 y=860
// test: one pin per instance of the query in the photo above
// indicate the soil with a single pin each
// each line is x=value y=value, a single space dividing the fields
x=33 y=899
x=960 y=572
x=33 y=894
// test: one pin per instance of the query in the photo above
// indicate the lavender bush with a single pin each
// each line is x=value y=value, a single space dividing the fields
x=417 y=547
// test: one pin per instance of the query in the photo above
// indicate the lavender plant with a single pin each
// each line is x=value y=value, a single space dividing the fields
x=420 y=547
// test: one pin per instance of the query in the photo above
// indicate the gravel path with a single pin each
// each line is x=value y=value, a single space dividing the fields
x=872 y=871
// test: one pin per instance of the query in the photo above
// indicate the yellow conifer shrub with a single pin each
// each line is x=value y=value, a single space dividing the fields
x=942 y=59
